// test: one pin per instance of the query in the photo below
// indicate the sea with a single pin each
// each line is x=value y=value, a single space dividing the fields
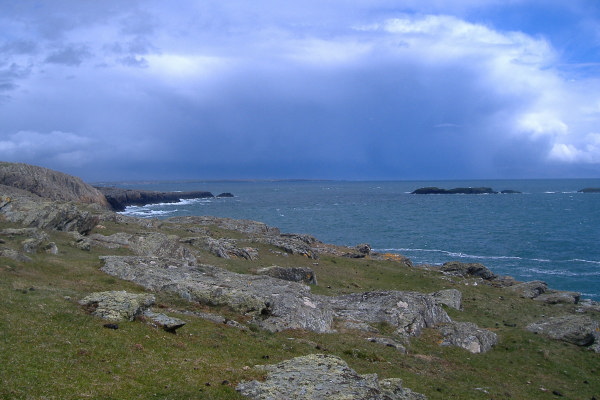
x=548 y=232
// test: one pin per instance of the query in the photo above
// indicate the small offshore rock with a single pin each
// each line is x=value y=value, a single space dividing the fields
x=226 y=194
x=117 y=305
x=294 y=274
x=468 y=336
x=320 y=377
x=529 y=290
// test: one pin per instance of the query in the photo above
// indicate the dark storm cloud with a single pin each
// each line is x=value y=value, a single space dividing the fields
x=312 y=89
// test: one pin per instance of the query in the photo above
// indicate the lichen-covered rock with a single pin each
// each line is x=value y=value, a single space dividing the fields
x=238 y=225
x=559 y=297
x=321 y=377
x=576 y=329
x=113 y=241
x=160 y=245
x=449 y=297
x=476 y=270
x=468 y=336
x=14 y=255
x=304 y=245
x=117 y=305
x=169 y=324
x=294 y=274
x=274 y=304
x=529 y=290
x=33 y=212
x=409 y=312
x=226 y=248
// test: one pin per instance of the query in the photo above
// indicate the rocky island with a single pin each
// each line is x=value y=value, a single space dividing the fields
x=101 y=305
x=462 y=190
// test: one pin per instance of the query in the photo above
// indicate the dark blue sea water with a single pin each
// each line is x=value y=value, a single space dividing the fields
x=549 y=232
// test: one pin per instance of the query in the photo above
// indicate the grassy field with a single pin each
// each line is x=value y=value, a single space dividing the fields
x=51 y=349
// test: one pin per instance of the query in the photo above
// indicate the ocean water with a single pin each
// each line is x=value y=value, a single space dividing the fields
x=549 y=232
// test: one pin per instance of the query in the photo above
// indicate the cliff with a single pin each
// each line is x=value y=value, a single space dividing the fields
x=121 y=198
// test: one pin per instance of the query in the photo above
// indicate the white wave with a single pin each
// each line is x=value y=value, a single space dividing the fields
x=585 y=261
x=145 y=212
x=561 y=272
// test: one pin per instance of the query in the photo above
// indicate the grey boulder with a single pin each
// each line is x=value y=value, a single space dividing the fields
x=320 y=377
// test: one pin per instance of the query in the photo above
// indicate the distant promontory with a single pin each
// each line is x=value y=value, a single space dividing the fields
x=590 y=190
x=120 y=198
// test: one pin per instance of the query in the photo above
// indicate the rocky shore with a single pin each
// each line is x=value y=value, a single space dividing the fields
x=246 y=278
x=120 y=198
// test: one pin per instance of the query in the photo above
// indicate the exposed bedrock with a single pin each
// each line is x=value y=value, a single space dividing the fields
x=120 y=198
x=49 y=184
x=320 y=377
x=276 y=304
x=35 y=212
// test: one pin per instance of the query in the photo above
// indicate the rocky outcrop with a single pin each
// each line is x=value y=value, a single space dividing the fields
x=460 y=190
x=163 y=321
x=226 y=248
x=320 y=377
x=476 y=270
x=529 y=290
x=294 y=274
x=273 y=304
x=120 y=198
x=35 y=212
x=589 y=190
x=448 y=297
x=559 y=297
x=468 y=336
x=49 y=184
x=117 y=305
x=580 y=330
x=239 y=225
x=408 y=312
x=305 y=245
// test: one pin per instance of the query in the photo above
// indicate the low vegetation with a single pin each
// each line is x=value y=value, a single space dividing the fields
x=52 y=349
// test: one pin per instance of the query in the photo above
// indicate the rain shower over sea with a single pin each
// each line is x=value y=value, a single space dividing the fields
x=548 y=232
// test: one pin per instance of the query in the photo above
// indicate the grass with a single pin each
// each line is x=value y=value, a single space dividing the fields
x=51 y=349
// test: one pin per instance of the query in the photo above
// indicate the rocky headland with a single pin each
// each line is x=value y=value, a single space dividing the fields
x=189 y=305
x=119 y=198
x=589 y=190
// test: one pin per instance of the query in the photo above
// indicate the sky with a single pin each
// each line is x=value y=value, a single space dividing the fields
x=360 y=90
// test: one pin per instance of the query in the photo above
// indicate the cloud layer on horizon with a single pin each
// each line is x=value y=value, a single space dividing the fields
x=232 y=90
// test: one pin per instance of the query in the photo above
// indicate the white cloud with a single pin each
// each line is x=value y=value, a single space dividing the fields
x=65 y=147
